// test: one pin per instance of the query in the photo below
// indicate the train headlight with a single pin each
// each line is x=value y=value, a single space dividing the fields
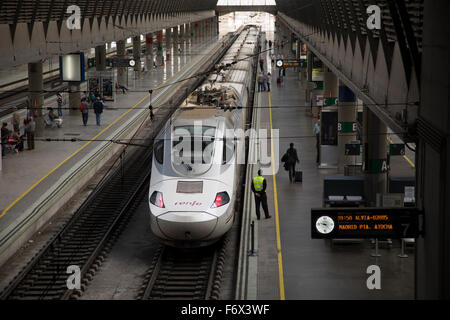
x=157 y=199
x=222 y=198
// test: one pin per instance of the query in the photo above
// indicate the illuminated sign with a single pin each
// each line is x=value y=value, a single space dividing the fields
x=347 y=223
x=289 y=63
x=71 y=67
x=347 y=127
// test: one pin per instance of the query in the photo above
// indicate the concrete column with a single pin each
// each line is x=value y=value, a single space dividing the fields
x=346 y=114
x=74 y=98
x=211 y=27
x=330 y=84
x=375 y=148
x=168 y=40
x=433 y=156
x=100 y=58
x=137 y=50
x=121 y=72
x=176 y=39
x=201 y=31
x=217 y=25
x=182 y=33
x=298 y=49
x=149 y=51
x=160 y=51
x=206 y=28
x=36 y=84
x=188 y=33
x=310 y=68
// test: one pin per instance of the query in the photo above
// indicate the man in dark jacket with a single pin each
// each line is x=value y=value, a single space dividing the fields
x=98 y=109
x=259 y=186
x=292 y=159
x=5 y=135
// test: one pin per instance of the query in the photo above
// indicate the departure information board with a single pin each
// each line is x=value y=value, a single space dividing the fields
x=345 y=223
x=288 y=63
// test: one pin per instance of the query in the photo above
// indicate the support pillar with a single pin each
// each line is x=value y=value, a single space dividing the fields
x=36 y=84
x=149 y=51
x=310 y=62
x=217 y=25
x=100 y=58
x=137 y=55
x=175 y=38
x=433 y=156
x=74 y=98
x=207 y=29
x=182 y=33
x=189 y=30
x=160 y=52
x=375 y=149
x=121 y=72
x=298 y=49
x=198 y=32
x=347 y=121
x=168 y=40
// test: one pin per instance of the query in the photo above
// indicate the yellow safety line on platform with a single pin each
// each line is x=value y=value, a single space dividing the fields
x=80 y=149
x=405 y=157
x=277 y=220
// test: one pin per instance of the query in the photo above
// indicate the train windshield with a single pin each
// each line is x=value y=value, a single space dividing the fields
x=193 y=148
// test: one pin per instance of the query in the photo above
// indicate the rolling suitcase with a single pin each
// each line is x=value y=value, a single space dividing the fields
x=298 y=176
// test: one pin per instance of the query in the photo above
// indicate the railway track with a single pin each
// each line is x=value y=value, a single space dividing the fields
x=185 y=274
x=85 y=238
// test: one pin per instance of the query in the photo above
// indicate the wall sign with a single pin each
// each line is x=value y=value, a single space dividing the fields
x=347 y=223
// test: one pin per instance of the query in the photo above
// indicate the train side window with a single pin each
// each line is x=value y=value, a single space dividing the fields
x=159 y=151
x=228 y=150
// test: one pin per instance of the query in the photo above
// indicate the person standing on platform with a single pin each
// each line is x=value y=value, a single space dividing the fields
x=259 y=186
x=152 y=115
x=316 y=132
x=92 y=98
x=30 y=130
x=261 y=64
x=15 y=121
x=260 y=82
x=292 y=159
x=265 y=81
x=84 y=109
x=269 y=79
x=5 y=137
x=60 y=102
x=270 y=44
x=98 y=109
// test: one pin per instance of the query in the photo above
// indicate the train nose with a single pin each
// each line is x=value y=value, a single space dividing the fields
x=186 y=225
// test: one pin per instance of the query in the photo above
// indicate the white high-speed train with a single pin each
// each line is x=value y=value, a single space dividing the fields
x=195 y=171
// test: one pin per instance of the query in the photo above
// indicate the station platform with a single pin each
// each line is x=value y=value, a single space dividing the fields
x=288 y=263
x=29 y=179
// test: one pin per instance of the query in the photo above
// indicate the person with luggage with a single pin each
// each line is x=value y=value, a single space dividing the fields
x=259 y=186
x=291 y=159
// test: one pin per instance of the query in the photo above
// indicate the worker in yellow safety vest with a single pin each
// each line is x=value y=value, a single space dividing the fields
x=259 y=186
